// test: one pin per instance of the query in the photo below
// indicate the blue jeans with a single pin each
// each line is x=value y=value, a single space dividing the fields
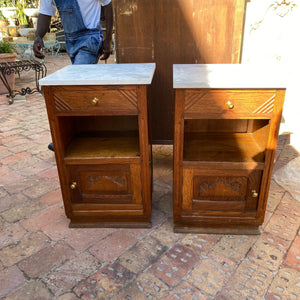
x=84 y=48
x=84 y=57
x=82 y=44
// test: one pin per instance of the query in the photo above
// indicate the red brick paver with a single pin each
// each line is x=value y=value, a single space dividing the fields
x=293 y=256
x=105 y=283
x=111 y=247
x=175 y=264
x=50 y=256
x=10 y=279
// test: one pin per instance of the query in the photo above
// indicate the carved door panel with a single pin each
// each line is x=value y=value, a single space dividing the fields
x=220 y=190
x=105 y=184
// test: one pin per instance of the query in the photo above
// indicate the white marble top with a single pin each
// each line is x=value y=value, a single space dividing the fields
x=101 y=74
x=228 y=76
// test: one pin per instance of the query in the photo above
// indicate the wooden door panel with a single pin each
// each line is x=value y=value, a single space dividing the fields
x=105 y=184
x=171 y=32
x=220 y=190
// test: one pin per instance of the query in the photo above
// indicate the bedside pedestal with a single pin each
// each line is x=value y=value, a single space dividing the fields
x=98 y=117
x=226 y=127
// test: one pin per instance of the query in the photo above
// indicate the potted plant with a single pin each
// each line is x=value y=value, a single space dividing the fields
x=14 y=9
x=32 y=11
x=7 y=54
x=22 y=18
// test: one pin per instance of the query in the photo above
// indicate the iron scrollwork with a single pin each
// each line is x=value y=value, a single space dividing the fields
x=17 y=67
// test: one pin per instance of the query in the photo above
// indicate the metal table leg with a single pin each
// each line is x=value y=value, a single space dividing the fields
x=17 y=67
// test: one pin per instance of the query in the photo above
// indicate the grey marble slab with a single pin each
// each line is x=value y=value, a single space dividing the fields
x=228 y=76
x=101 y=74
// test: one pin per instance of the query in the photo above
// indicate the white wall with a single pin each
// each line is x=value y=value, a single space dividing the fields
x=272 y=36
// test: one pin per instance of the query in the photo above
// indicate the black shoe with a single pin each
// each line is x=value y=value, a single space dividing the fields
x=50 y=147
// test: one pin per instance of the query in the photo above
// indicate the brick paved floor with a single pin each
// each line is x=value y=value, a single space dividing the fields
x=41 y=258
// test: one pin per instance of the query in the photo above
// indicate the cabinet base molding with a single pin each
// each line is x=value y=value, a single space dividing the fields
x=237 y=229
x=100 y=223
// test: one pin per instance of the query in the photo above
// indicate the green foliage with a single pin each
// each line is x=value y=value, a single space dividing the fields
x=33 y=3
x=20 y=5
x=2 y=4
x=6 y=47
x=6 y=3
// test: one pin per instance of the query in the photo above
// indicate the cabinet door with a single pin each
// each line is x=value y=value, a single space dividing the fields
x=220 y=190
x=108 y=186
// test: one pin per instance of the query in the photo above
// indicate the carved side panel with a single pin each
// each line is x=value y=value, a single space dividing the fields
x=266 y=107
x=192 y=98
x=61 y=105
x=130 y=96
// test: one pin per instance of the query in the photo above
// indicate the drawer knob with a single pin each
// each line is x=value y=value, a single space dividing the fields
x=254 y=193
x=230 y=104
x=73 y=185
x=95 y=101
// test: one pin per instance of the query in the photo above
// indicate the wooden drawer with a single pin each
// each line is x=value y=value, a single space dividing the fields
x=90 y=100
x=232 y=104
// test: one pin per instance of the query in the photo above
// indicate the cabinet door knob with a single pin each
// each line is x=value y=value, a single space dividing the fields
x=95 y=101
x=230 y=104
x=254 y=193
x=73 y=185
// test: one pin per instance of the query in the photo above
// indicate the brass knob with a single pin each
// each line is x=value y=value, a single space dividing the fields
x=95 y=101
x=230 y=104
x=254 y=193
x=73 y=185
